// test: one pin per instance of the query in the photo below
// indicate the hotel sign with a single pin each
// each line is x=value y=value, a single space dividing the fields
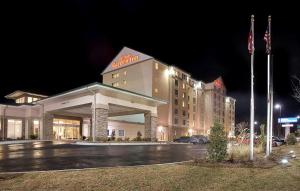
x=126 y=57
x=124 y=60
x=288 y=120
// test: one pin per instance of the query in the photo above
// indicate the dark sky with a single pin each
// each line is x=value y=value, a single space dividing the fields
x=52 y=46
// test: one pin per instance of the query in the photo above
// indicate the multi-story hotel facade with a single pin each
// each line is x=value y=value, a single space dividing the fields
x=138 y=94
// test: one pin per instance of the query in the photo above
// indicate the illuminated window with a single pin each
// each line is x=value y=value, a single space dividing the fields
x=183 y=104
x=183 y=95
x=36 y=125
x=183 y=86
x=156 y=66
x=155 y=90
x=124 y=82
x=21 y=100
x=125 y=73
x=29 y=99
x=35 y=99
x=115 y=75
x=116 y=84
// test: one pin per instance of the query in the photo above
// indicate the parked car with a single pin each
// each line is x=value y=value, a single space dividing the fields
x=198 y=139
x=276 y=141
x=183 y=139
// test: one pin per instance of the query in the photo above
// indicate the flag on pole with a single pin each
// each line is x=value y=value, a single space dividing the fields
x=267 y=39
x=250 y=42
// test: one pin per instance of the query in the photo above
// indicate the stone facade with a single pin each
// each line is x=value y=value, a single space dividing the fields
x=101 y=123
x=150 y=126
x=48 y=126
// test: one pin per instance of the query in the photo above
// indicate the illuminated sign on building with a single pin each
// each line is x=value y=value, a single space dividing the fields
x=218 y=83
x=287 y=125
x=125 y=59
x=288 y=120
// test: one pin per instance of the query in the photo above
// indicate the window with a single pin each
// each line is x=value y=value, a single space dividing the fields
x=14 y=129
x=183 y=104
x=156 y=90
x=194 y=100
x=183 y=95
x=183 y=122
x=176 y=92
x=193 y=116
x=176 y=111
x=194 y=108
x=188 y=106
x=183 y=86
x=176 y=121
x=115 y=84
x=184 y=77
x=183 y=113
x=21 y=100
x=156 y=66
x=121 y=133
x=124 y=82
x=176 y=83
x=188 y=98
x=36 y=125
x=125 y=73
x=176 y=102
x=29 y=99
x=35 y=99
x=115 y=75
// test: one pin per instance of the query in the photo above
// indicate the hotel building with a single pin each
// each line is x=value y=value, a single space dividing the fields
x=138 y=94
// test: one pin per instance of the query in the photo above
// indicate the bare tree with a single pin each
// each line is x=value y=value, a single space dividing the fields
x=242 y=131
x=296 y=87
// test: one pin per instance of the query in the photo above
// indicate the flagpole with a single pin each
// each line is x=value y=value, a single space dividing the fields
x=271 y=90
x=269 y=142
x=252 y=93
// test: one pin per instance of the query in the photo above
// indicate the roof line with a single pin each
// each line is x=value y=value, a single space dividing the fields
x=101 y=85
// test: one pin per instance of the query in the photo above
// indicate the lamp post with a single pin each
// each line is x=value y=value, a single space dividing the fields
x=278 y=106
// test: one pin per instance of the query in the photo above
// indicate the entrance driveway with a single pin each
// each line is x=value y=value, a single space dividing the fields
x=39 y=156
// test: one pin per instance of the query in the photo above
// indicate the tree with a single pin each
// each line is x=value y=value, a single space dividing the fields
x=217 y=149
x=296 y=87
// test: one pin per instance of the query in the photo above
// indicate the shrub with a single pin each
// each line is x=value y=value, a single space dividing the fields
x=297 y=133
x=291 y=139
x=217 y=149
x=83 y=137
x=119 y=139
x=101 y=139
x=33 y=136
x=127 y=139
x=90 y=139
x=147 y=139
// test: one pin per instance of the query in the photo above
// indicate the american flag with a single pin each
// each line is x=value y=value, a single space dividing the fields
x=251 y=42
x=267 y=39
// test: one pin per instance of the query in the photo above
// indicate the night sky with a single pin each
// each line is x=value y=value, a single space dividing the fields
x=52 y=46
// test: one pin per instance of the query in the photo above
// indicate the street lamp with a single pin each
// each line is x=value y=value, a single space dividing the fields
x=278 y=106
